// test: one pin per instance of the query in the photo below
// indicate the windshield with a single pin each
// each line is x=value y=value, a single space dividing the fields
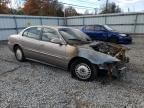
x=74 y=36
x=108 y=28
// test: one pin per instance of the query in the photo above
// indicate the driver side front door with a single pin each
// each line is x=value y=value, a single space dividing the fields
x=52 y=53
x=100 y=33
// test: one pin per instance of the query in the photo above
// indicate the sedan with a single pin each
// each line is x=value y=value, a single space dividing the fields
x=105 y=33
x=69 y=49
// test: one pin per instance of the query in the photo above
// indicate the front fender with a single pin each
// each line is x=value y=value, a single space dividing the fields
x=96 y=57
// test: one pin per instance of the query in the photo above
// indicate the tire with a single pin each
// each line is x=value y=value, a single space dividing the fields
x=113 y=40
x=19 y=54
x=83 y=70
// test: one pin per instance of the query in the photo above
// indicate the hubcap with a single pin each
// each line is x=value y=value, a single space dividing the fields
x=18 y=54
x=83 y=71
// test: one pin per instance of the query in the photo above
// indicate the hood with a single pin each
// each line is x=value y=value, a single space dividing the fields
x=110 y=49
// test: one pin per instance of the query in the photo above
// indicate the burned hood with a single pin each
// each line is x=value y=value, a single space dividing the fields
x=104 y=52
x=96 y=57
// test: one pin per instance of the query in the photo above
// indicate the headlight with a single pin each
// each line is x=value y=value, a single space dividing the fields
x=123 y=34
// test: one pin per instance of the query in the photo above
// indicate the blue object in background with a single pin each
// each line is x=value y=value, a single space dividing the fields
x=105 y=33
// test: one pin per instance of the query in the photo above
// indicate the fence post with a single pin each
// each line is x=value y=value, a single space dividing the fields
x=135 y=23
x=65 y=21
x=58 y=21
x=16 y=27
x=83 y=21
x=41 y=20
x=105 y=19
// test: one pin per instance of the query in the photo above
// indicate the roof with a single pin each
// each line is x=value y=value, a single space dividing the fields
x=55 y=27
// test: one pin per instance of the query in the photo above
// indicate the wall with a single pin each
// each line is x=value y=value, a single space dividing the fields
x=129 y=22
x=12 y=24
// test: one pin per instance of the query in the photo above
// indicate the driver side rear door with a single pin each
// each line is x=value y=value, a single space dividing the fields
x=89 y=30
x=30 y=42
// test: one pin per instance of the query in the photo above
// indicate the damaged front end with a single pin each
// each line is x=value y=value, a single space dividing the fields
x=117 y=69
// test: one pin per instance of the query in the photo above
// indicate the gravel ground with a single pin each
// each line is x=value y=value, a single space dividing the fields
x=34 y=85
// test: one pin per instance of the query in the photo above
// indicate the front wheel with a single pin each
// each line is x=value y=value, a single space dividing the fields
x=83 y=70
x=19 y=54
x=113 y=40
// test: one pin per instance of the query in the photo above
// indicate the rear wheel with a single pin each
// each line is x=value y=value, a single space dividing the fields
x=83 y=70
x=19 y=54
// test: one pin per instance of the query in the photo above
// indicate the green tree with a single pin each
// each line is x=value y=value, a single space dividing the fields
x=59 y=9
x=86 y=12
x=70 y=11
x=111 y=8
x=19 y=11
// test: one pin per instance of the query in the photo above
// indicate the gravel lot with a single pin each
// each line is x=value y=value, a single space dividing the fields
x=34 y=85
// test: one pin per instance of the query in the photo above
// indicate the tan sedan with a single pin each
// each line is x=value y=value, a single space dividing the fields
x=67 y=48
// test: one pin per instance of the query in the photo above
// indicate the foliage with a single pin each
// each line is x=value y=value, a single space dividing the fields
x=17 y=11
x=111 y=8
x=3 y=7
x=86 y=12
x=38 y=8
x=70 y=11
x=32 y=7
x=43 y=7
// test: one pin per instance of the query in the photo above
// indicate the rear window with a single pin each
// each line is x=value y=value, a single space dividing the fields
x=33 y=32
x=94 y=28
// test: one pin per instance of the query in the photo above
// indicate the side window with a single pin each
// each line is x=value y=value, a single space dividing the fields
x=48 y=34
x=97 y=28
x=102 y=28
x=34 y=32
x=89 y=28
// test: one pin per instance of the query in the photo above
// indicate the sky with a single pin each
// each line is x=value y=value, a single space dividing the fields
x=90 y=5
x=133 y=5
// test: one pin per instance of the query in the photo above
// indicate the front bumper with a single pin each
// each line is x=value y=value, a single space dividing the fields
x=10 y=45
x=125 y=40
x=117 y=70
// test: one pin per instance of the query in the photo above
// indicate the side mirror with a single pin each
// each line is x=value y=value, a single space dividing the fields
x=57 y=41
